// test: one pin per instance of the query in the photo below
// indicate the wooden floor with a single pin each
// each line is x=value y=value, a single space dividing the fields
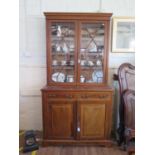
x=77 y=150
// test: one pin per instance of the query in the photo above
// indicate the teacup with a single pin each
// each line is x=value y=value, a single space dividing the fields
x=90 y=63
x=82 y=79
x=63 y=62
x=55 y=62
x=71 y=63
x=58 y=48
x=98 y=63
x=70 y=78
x=83 y=62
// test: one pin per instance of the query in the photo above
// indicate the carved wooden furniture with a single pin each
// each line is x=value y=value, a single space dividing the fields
x=129 y=120
x=126 y=130
x=77 y=102
x=126 y=78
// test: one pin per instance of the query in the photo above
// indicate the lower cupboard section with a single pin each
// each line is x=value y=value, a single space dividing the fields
x=76 y=120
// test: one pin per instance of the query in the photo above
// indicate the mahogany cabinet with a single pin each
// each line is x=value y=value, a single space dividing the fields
x=77 y=102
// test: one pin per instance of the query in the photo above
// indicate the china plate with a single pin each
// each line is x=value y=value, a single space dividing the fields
x=58 y=77
x=97 y=76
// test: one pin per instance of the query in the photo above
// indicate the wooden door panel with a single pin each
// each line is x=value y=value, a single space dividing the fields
x=61 y=119
x=92 y=119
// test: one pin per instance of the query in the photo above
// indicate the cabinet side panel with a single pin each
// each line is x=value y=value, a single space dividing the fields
x=44 y=115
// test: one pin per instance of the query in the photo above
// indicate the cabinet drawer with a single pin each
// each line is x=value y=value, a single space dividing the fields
x=59 y=95
x=84 y=95
x=103 y=96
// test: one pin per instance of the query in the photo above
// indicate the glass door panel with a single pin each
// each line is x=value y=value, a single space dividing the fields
x=92 y=53
x=63 y=52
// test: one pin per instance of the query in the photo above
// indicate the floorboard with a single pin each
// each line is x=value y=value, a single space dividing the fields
x=78 y=150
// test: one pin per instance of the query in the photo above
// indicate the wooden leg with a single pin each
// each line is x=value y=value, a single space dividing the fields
x=120 y=130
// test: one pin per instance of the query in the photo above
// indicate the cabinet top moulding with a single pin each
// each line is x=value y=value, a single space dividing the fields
x=80 y=16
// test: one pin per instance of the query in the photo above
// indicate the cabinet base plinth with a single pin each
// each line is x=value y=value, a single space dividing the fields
x=107 y=143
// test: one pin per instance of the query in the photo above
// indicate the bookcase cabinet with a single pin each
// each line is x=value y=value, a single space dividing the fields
x=77 y=102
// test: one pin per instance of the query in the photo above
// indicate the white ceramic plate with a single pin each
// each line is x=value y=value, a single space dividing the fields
x=58 y=77
x=97 y=76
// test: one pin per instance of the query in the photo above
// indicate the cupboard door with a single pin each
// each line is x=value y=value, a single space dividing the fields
x=61 y=119
x=91 y=54
x=91 y=119
x=63 y=52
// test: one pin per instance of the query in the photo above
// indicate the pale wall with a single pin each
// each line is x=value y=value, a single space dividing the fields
x=32 y=49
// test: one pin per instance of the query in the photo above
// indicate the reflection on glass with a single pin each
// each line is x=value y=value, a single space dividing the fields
x=125 y=35
x=92 y=52
x=62 y=50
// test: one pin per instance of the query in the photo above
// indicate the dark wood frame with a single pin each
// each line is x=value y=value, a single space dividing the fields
x=123 y=87
x=129 y=112
x=122 y=80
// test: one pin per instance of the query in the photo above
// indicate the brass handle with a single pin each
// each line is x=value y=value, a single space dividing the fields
x=52 y=95
x=69 y=96
x=104 y=96
x=84 y=96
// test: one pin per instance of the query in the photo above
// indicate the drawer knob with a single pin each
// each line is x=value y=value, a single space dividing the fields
x=104 y=96
x=69 y=96
x=84 y=96
x=52 y=95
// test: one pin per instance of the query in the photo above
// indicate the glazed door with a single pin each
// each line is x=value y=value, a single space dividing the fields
x=61 y=119
x=92 y=53
x=91 y=119
x=62 y=52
